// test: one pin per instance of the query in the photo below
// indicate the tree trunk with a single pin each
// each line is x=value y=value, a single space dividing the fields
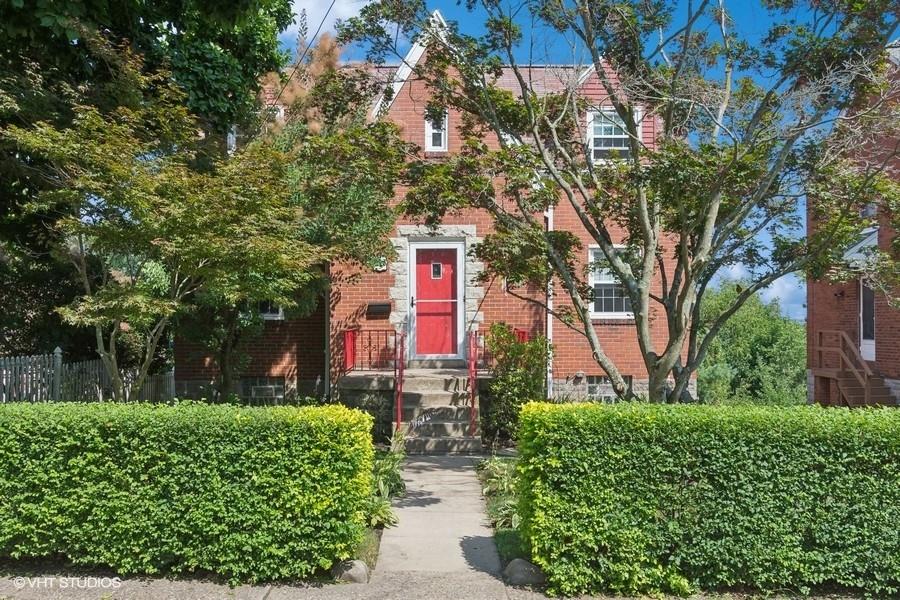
x=226 y=360
x=680 y=392
x=657 y=385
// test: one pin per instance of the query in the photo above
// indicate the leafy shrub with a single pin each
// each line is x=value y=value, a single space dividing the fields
x=498 y=480
x=387 y=482
x=519 y=375
x=249 y=493
x=639 y=498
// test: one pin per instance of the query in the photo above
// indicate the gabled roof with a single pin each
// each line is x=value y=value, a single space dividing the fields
x=543 y=79
x=437 y=24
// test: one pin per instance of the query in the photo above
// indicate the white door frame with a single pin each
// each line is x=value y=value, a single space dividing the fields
x=460 y=248
x=866 y=347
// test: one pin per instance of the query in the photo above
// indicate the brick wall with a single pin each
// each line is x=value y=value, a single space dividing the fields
x=294 y=349
x=572 y=352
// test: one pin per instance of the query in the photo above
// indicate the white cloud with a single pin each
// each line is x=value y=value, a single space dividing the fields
x=735 y=271
x=790 y=291
x=315 y=12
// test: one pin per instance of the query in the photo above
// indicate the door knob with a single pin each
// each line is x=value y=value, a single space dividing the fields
x=412 y=301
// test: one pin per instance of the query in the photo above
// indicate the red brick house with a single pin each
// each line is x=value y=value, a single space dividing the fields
x=429 y=292
x=853 y=335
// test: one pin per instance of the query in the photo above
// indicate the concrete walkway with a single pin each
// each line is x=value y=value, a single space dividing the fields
x=442 y=526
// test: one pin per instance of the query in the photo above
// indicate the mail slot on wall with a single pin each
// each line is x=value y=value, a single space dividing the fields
x=378 y=310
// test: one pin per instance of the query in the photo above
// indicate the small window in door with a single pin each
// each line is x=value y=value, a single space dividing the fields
x=437 y=270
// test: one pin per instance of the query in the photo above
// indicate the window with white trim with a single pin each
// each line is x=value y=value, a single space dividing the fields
x=610 y=299
x=436 y=134
x=607 y=135
x=270 y=311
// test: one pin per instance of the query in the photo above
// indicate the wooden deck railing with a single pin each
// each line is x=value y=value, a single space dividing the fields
x=849 y=358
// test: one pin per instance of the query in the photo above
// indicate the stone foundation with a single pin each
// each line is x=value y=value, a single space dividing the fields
x=572 y=389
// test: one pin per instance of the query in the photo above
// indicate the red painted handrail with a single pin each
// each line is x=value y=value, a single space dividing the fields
x=369 y=349
x=473 y=378
x=399 y=367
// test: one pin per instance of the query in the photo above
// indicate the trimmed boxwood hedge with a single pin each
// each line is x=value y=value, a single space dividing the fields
x=249 y=493
x=639 y=498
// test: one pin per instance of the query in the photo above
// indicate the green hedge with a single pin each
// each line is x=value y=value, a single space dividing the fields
x=249 y=493
x=644 y=498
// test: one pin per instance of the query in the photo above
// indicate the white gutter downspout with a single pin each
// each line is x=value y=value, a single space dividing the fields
x=548 y=219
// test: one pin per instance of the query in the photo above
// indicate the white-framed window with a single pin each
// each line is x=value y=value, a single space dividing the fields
x=270 y=311
x=436 y=134
x=610 y=299
x=607 y=134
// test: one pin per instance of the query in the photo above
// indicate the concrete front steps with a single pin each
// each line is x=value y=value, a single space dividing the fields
x=436 y=413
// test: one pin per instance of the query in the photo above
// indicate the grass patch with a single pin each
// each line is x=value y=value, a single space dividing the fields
x=367 y=551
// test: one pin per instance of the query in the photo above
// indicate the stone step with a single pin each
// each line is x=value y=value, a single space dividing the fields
x=420 y=383
x=435 y=398
x=436 y=363
x=436 y=429
x=444 y=445
x=436 y=413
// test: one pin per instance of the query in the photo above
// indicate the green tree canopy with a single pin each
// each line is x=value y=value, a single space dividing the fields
x=747 y=132
x=341 y=170
x=145 y=230
x=58 y=55
x=759 y=355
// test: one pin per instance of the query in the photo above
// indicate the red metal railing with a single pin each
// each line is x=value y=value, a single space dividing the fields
x=370 y=349
x=472 y=363
x=399 y=368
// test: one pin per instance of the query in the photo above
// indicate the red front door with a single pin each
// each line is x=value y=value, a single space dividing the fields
x=436 y=302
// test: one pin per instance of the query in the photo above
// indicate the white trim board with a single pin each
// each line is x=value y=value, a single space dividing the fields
x=436 y=25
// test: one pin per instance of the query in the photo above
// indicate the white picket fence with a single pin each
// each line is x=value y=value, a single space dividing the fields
x=45 y=378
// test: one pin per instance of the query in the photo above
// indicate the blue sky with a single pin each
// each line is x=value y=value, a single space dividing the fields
x=748 y=16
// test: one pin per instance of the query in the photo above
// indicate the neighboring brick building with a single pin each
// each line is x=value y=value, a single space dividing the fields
x=398 y=299
x=852 y=318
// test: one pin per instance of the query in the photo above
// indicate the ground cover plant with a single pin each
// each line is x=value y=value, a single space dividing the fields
x=498 y=480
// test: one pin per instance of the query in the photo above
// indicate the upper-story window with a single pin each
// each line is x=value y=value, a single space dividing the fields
x=436 y=134
x=607 y=135
x=610 y=300
x=270 y=311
